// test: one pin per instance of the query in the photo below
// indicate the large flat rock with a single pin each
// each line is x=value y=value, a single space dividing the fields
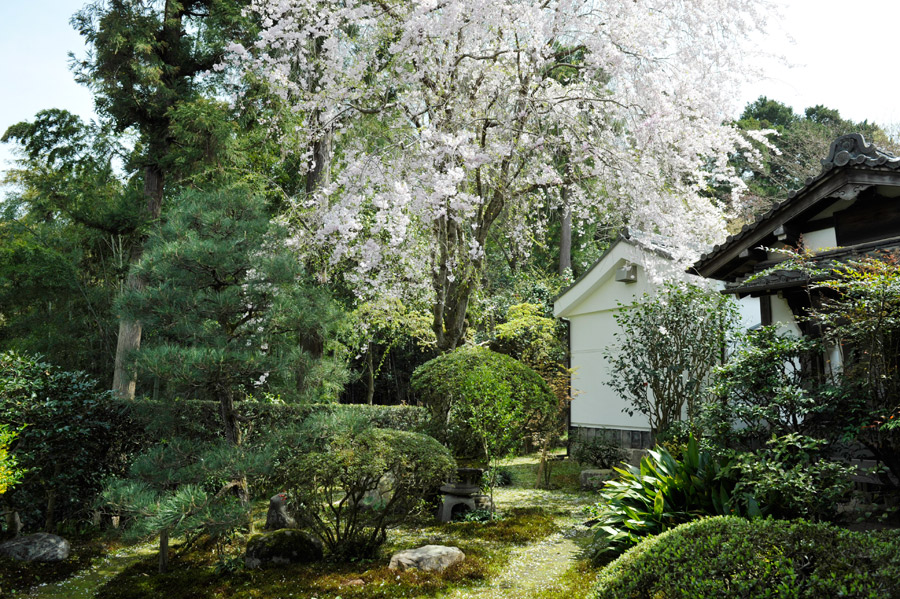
x=39 y=547
x=431 y=558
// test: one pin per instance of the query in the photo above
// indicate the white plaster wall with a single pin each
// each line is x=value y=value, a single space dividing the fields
x=596 y=404
x=749 y=312
x=816 y=241
x=784 y=318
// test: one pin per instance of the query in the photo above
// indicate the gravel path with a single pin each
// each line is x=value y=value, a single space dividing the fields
x=535 y=567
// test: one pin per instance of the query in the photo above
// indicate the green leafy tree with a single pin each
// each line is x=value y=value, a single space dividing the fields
x=860 y=313
x=376 y=328
x=232 y=315
x=666 y=348
x=66 y=229
x=796 y=151
x=491 y=398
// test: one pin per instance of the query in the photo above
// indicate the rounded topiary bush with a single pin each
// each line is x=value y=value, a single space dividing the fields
x=483 y=402
x=736 y=558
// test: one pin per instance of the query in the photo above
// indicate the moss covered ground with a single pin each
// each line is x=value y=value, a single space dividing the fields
x=532 y=551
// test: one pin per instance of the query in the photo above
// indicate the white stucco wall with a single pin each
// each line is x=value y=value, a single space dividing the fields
x=784 y=318
x=816 y=241
x=595 y=403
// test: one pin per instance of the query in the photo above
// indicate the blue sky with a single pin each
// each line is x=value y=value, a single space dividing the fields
x=842 y=56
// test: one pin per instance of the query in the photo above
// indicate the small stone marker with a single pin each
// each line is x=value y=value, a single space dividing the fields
x=594 y=479
x=278 y=517
x=39 y=547
x=430 y=558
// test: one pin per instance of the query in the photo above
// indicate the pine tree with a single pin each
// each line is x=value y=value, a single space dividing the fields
x=230 y=306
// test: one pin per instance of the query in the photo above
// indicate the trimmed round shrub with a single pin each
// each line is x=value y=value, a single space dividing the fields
x=731 y=557
x=483 y=402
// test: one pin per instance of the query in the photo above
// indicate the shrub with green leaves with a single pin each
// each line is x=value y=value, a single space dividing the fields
x=728 y=557
x=350 y=482
x=793 y=478
x=764 y=389
x=67 y=441
x=490 y=398
x=478 y=395
x=668 y=345
x=662 y=493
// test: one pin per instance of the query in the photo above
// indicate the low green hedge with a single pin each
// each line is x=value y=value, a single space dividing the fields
x=73 y=434
x=731 y=557
x=199 y=419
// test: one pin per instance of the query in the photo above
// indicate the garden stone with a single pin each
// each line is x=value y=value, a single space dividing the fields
x=13 y=524
x=382 y=494
x=277 y=517
x=430 y=558
x=483 y=502
x=39 y=547
x=282 y=547
x=591 y=480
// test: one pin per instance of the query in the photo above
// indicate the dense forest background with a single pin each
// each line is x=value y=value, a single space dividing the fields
x=112 y=233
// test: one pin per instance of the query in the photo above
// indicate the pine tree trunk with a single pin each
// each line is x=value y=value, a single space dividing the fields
x=229 y=417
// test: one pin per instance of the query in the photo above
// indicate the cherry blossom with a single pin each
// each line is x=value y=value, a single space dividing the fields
x=445 y=114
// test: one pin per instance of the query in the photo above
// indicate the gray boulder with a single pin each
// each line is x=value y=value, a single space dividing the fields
x=39 y=547
x=595 y=479
x=430 y=558
x=278 y=517
x=282 y=547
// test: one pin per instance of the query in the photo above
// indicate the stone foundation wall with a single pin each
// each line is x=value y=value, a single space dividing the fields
x=635 y=443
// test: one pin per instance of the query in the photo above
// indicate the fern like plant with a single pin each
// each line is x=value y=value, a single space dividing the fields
x=664 y=492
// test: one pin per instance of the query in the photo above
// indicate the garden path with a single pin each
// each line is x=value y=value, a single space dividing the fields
x=535 y=568
x=84 y=584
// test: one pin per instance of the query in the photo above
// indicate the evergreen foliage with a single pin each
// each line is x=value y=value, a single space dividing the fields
x=667 y=346
x=231 y=309
x=795 y=153
x=67 y=441
x=728 y=557
x=350 y=482
x=180 y=487
x=66 y=229
x=478 y=395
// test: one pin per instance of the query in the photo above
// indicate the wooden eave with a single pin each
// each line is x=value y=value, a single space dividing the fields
x=779 y=280
x=732 y=259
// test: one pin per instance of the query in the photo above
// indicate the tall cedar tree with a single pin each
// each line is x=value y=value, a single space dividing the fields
x=146 y=59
